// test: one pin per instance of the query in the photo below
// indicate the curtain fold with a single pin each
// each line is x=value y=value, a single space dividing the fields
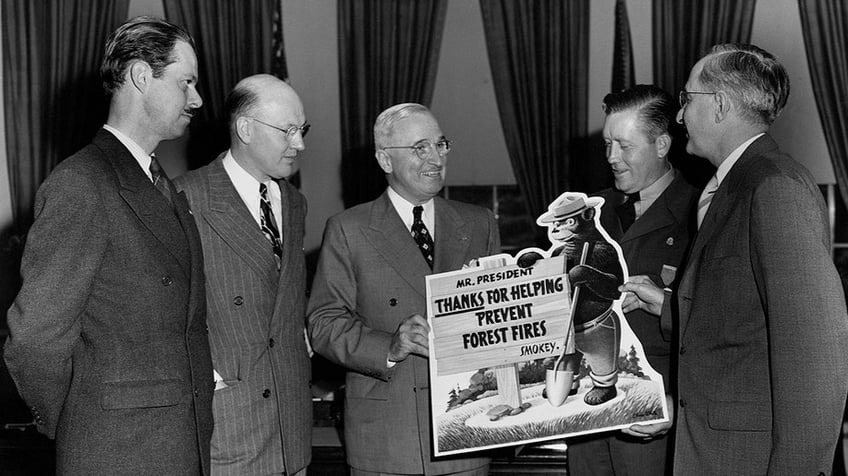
x=824 y=24
x=623 y=71
x=388 y=54
x=684 y=30
x=234 y=39
x=54 y=102
x=539 y=56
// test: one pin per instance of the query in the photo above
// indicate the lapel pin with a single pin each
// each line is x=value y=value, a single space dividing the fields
x=670 y=241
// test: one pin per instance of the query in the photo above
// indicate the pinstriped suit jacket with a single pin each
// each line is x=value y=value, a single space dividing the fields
x=370 y=277
x=263 y=419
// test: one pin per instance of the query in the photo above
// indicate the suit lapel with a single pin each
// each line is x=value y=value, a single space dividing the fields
x=666 y=211
x=723 y=202
x=390 y=238
x=149 y=205
x=229 y=217
x=451 y=239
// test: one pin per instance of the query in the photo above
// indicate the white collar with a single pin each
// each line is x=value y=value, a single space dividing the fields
x=730 y=161
x=136 y=151
x=248 y=187
x=404 y=209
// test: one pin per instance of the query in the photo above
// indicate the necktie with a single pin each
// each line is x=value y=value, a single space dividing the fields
x=160 y=179
x=706 y=199
x=269 y=223
x=421 y=235
x=627 y=211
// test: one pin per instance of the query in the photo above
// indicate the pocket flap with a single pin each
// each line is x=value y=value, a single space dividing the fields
x=142 y=394
x=740 y=416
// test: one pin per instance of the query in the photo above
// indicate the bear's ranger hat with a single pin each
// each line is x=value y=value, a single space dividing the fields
x=568 y=207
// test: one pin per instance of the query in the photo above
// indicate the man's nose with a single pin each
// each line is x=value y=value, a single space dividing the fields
x=297 y=142
x=680 y=116
x=194 y=99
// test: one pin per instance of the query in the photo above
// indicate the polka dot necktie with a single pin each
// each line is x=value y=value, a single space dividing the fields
x=421 y=235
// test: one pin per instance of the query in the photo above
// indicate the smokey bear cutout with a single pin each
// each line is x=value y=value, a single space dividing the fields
x=596 y=268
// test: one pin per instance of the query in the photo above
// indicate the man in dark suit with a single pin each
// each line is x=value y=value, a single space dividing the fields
x=251 y=223
x=648 y=213
x=763 y=352
x=108 y=337
x=367 y=307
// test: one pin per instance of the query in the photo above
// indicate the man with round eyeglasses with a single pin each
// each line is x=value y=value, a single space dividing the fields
x=251 y=223
x=366 y=311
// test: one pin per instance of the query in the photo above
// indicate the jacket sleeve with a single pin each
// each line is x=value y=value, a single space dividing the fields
x=64 y=249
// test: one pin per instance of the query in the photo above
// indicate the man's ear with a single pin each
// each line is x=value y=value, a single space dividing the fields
x=663 y=145
x=723 y=105
x=244 y=131
x=140 y=75
x=384 y=160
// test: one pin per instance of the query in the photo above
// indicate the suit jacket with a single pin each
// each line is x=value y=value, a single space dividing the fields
x=263 y=419
x=763 y=364
x=108 y=339
x=370 y=277
x=659 y=237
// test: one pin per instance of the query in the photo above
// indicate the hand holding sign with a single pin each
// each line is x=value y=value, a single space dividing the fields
x=411 y=337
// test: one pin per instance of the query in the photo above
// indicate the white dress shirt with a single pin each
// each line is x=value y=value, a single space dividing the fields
x=248 y=189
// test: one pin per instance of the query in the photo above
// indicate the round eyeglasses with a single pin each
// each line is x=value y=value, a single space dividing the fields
x=424 y=149
x=683 y=96
x=290 y=132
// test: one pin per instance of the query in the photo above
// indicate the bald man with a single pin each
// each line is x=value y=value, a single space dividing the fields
x=251 y=224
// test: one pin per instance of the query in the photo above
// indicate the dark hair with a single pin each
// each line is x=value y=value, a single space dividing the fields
x=655 y=106
x=145 y=38
x=751 y=76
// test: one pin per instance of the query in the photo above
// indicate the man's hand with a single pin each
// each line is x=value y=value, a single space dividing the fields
x=653 y=430
x=642 y=293
x=411 y=337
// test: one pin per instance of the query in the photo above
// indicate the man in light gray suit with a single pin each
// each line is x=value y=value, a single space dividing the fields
x=368 y=299
x=251 y=224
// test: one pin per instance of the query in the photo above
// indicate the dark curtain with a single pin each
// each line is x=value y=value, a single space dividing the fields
x=824 y=24
x=234 y=39
x=684 y=30
x=623 y=73
x=54 y=102
x=388 y=54
x=539 y=55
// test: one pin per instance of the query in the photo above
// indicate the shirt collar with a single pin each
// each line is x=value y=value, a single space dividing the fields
x=730 y=161
x=248 y=187
x=136 y=151
x=404 y=209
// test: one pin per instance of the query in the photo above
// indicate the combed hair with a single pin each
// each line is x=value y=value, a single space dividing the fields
x=145 y=38
x=240 y=102
x=388 y=118
x=753 y=78
x=655 y=106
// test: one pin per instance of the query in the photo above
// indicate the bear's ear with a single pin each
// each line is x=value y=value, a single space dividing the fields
x=588 y=214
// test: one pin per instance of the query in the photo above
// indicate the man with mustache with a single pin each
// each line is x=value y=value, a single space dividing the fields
x=251 y=223
x=108 y=339
x=367 y=307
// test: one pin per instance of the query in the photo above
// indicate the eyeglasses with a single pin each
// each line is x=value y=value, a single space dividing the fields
x=425 y=148
x=683 y=97
x=290 y=132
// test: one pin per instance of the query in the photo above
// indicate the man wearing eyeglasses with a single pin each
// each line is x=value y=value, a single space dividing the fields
x=763 y=331
x=251 y=223
x=367 y=307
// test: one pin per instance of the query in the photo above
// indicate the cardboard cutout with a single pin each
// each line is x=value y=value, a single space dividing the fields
x=535 y=347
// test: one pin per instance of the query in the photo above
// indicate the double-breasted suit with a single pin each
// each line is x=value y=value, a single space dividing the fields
x=763 y=353
x=263 y=418
x=371 y=276
x=108 y=337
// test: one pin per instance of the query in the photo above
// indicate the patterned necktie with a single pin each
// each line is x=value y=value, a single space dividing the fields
x=706 y=199
x=160 y=179
x=269 y=223
x=421 y=235
x=627 y=211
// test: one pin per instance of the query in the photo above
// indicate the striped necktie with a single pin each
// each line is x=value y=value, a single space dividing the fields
x=160 y=179
x=269 y=224
x=706 y=199
x=421 y=235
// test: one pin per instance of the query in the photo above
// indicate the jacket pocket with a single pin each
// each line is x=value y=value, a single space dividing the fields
x=739 y=416
x=142 y=394
x=361 y=386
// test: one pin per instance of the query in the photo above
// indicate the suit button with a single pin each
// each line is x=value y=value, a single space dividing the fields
x=392 y=302
x=196 y=392
x=271 y=342
x=682 y=403
x=266 y=393
x=238 y=300
x=167 y=281
x=682 y=349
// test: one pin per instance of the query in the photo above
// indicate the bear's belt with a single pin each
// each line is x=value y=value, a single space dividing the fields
x=594 y=322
